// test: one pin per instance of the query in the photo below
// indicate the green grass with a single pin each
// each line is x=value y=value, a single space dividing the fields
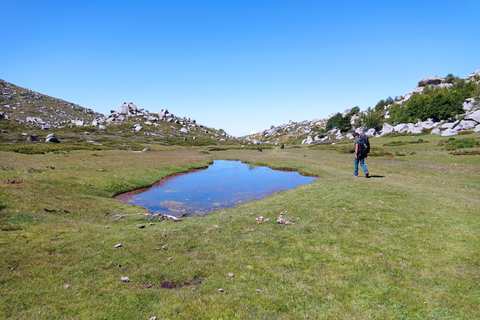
x=401 y=245
x=461 y=144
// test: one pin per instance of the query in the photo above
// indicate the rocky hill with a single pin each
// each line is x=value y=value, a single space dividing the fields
x=29 y=115
x=29 y=107
x=315 y=131
x=37 y=115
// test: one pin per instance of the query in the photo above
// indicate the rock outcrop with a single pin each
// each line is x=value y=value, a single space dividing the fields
x=309 y=130
x=33 y=110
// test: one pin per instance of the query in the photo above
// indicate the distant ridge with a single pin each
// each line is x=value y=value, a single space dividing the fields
x=27 y=110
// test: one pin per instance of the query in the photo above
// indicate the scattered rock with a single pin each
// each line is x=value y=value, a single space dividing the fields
x=18 y=181
x=449 y=132
x=220 y=290
x=283 y=221
x=170 y=217
x=127 y=108
x=433 y=80
x=125 y=279
x=164 y=247
x=54 y=140
x=230 y=274
x=118 y=245
x=261 y=219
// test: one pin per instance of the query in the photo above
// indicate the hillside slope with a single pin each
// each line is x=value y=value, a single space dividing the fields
x=26 y=114
x=23 y=105
x=451 y=104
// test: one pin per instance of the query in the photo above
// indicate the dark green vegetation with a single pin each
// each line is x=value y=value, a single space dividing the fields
x=455 y=144
x=342 y=122
x=401 y=245
x=435 y=102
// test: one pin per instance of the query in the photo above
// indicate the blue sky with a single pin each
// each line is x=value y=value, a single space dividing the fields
x=239 y=65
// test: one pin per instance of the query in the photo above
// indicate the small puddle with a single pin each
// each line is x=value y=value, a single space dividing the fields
x=224 y=184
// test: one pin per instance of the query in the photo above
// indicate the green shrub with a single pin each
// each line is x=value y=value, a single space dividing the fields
x=461 y=144
x=434 y=102
x=373 y=120
x=379 y=153
x=343 y=123
x=321 y=133
x=341 y=148
x=395 y=143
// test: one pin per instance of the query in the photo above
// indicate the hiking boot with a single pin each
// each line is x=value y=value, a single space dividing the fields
x=367 y=175
x=354 y=175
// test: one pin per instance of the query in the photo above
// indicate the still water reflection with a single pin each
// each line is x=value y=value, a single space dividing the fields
x=222 y=185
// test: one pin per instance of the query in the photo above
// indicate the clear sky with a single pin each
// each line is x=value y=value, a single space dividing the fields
x=239 y=65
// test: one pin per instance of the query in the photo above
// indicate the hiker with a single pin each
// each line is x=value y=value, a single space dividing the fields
x=361 y=153
x=282 y=146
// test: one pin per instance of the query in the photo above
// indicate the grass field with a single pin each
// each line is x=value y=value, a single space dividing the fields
x=403 y=244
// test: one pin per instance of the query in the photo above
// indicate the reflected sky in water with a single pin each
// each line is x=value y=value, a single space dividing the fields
x=224 y=184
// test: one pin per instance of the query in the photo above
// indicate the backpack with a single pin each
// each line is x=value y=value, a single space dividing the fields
x=366 y=143
x=363 y=146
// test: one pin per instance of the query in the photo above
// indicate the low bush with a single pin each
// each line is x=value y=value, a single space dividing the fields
x=395 y=143
x=466 y=152
x=461 y=144
x=378 y=152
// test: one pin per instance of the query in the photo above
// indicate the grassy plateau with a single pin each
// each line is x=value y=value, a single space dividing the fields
x=403 y=244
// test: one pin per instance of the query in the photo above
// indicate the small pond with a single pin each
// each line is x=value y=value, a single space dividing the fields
x=224 y=184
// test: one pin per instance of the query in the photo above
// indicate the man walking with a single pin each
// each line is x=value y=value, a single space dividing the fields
x=360 y=154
